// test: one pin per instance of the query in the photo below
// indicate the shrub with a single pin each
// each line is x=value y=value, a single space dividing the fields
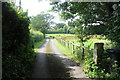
x=37 y=37
x=18 y=54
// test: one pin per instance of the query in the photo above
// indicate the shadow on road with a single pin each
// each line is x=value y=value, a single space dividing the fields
x=49 y=66
x=56 y=67
x=50 y=63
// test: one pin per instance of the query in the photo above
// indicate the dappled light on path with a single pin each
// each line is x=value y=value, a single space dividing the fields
x=40 y=66
x=51 y=63
x=75 y=70
x=47 y=65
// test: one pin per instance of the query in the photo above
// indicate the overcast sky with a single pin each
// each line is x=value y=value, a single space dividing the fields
x=34 y=7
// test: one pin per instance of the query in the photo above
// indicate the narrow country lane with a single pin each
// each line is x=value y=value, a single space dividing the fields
x=40 y=65
x=51 y=63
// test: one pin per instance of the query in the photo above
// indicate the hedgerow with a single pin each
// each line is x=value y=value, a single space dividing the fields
x=17 y=46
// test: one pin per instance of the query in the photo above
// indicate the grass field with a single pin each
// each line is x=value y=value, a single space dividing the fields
x=67 y=37
x=89 y=43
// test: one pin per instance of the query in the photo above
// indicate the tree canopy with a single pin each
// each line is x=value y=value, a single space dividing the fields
x=41 y=22
x=92 y=17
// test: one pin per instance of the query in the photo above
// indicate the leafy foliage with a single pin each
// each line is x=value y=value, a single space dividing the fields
x=41 y=22
x=60 y=27
x=17 y=50
x=93 y=16
x=115 y=29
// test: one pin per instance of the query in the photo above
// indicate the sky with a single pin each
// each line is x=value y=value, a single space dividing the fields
x=34 y=7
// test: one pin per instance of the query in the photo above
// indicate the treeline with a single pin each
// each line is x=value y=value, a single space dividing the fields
x=60 y=28
x=17 y=46
x=59 y=32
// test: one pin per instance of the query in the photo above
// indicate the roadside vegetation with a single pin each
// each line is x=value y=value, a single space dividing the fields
x=37 y=38
x=17 y=47
x=19 y=43
x=88 y=62
x=66 y=51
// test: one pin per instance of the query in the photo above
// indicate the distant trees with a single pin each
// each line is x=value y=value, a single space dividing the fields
x=60 y=25
x=93 y=17
x=61 y=28
x=41 y=22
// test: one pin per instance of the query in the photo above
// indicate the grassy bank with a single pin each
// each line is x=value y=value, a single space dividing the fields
x=38 y=44
x=66 y=51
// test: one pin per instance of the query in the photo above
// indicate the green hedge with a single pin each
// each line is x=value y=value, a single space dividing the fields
x=17 y=46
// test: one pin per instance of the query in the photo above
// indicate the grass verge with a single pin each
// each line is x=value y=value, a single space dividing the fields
x=38 y=44
x=66 y=51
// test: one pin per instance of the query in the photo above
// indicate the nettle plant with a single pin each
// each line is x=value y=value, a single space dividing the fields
x=92 y=69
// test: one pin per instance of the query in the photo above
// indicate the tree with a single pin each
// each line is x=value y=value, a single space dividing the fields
x=41 y=22
x=115 y=29
x=60 y=25
x=93 y=15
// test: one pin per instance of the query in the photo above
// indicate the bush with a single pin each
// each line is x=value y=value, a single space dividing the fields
x=92 y=69
x=37 y=37
x=18 y=54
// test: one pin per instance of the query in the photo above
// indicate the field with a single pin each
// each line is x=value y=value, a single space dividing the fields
x=89 y=43
x=67 y=37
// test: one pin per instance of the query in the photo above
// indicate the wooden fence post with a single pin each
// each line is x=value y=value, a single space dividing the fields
x=83 y=52
x=65 y=43
x=98 y=52
x=62 y=42
x=73 y=48
x=68 y=44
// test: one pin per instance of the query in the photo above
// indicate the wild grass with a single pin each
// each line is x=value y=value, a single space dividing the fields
x=66 y=51
x=38 y=44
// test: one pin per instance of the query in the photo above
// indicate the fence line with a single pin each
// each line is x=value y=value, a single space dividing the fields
x=73 y=43
x=96 y=53
x=85 y=51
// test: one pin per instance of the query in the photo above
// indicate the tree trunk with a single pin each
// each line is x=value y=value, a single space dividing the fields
x=44 y=35
x=83 y=51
